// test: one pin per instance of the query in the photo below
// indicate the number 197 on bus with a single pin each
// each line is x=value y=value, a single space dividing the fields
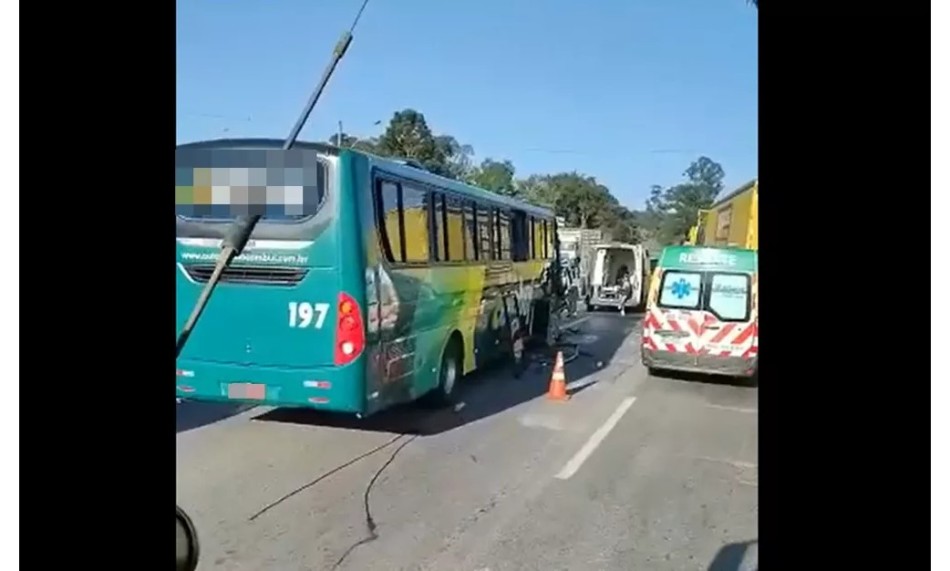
x=303 y=314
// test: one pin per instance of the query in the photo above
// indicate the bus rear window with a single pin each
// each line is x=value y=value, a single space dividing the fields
x=221 y=184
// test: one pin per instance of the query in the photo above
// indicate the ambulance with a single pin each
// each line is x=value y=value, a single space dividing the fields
x=702 y=312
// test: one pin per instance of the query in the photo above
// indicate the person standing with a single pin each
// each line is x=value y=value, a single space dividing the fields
x=626 y=289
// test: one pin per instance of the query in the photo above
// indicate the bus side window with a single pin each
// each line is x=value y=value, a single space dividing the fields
x=454 y=229
x=520 y=243
x=534 y=239
x=415 y=216
x=484 y=232
x=389 y=220
x=439 y=245
x=496 y=239
x=545 y=229
x=471 y=231
x=503 y=235
x=539 y=235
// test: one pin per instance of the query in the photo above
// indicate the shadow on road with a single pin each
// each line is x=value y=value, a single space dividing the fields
x=190 y=415
x=490 y=391
x=742 y=556
x=706 y=379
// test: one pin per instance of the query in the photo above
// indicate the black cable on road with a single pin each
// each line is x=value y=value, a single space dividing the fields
x=324 y=476
x=370 y=522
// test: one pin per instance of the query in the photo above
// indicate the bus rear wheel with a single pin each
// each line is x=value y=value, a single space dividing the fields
x=450 y=373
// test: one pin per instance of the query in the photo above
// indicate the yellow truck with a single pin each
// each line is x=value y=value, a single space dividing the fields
x=732 y=220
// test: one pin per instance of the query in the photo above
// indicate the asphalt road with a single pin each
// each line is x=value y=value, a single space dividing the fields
x=634 y=473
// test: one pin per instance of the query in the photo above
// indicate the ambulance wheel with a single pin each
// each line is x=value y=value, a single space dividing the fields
x=450 y=373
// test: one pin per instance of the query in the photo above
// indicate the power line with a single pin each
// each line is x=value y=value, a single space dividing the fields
x=594 y=151
x=216 y=116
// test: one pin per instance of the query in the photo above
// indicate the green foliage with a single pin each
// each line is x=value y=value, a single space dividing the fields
x=673 y=211
x=368 y=145
x=536 y=189
x=408 y=136
x=458 y=157
x=496 y=176
x=580 y=199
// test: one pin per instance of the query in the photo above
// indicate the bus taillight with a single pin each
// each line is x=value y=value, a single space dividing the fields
x=350 y=336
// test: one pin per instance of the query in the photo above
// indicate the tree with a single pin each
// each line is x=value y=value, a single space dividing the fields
x=408 y=136
x=536 y=189
x=622 y=225
x=496 y=176
x=579 y=199
x=458 y=157
x=368 y=145
x=675 y=209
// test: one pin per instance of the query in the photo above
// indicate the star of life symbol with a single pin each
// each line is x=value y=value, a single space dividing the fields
x=681 y=288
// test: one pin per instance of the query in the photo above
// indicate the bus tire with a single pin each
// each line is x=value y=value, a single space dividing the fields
x=450 y=373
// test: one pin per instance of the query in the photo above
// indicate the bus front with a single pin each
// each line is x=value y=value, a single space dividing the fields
x=282 y=327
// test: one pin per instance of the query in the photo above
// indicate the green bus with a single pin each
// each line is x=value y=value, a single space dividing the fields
x=368 y=282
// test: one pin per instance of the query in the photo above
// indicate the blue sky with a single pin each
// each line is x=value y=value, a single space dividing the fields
x=629 y=91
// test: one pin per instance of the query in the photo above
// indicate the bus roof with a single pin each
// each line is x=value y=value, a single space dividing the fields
x=393 y=166
x=401 y=169
x=704 y=258
x=618 y=245
x=259 y=143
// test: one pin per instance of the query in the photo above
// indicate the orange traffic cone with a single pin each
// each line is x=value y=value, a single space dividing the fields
x=557 y=389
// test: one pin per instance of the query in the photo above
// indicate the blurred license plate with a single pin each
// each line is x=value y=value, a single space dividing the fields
x=672 y=335
x=256 y=391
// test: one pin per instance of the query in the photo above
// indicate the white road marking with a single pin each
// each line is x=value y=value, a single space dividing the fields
x=734 y=463
x=595 y=440
x=744 y=410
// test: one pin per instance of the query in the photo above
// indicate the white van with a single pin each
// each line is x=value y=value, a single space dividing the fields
x=610 y=260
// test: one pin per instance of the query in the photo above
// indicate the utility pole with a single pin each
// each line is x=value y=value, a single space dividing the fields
x=339 y=136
